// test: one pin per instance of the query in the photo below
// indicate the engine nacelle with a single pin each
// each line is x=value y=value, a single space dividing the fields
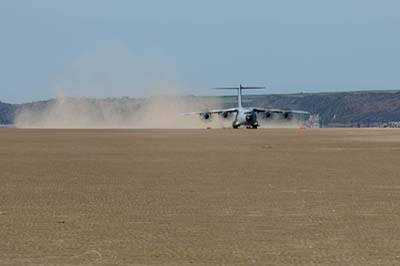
x=268 y=114
x=225 y=115
x=286 y=115
x=206 y=115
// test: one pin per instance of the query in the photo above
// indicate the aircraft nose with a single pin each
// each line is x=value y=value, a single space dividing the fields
x=249 y=117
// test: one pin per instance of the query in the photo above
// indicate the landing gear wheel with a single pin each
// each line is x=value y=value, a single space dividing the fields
x=235 y=125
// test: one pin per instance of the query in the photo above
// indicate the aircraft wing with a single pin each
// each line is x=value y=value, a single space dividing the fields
x=216 y=111
x=280 y=111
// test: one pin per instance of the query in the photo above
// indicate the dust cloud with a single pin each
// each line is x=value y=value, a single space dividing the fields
x=151 y=112
x=147 y=93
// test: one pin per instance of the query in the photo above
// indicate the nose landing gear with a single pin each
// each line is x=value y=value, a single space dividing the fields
x=236 y=125
x=254 y=126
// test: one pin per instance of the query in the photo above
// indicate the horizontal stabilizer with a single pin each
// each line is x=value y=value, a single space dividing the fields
x=243 y=88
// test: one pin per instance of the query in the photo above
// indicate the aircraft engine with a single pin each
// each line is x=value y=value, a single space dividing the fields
x=286 y=115
x=206 y=115
x=268 y=115
x=225 y=115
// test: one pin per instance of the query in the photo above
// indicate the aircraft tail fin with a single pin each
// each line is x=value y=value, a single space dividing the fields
x=239 y=90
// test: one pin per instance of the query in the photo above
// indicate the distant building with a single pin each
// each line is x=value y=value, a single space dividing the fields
x=394 y=124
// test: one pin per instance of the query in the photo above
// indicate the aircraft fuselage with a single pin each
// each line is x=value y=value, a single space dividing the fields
x=245 y=117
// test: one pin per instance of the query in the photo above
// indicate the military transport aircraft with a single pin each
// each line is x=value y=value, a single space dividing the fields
x=247 y=116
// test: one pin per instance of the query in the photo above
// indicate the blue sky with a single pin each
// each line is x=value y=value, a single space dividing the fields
x=130 y=48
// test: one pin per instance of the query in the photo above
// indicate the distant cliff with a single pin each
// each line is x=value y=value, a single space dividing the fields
x=363 y=108
x=360 y=108
x=7 y=112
